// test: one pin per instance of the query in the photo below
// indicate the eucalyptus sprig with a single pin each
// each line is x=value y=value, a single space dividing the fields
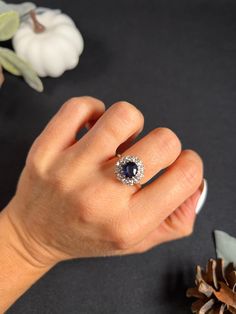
x=10 y=16
x=23 y=9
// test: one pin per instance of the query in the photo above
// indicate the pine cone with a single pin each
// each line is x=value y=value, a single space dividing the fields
x=215 y=289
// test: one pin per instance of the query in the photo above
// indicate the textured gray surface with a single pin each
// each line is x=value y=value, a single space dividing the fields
x=176 y=61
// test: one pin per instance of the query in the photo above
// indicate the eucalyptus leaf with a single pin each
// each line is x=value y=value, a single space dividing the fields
x=225 y=246
x=9 y=67
x=9 y=23
x=22 y=9
x=4 y=7
x=24 y=68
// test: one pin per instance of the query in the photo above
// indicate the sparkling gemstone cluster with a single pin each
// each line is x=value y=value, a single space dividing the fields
x=129 y=170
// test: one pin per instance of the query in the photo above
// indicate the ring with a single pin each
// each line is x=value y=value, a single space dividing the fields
x=129 y=169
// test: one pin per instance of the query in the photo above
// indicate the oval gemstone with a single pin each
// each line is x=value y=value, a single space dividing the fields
x=130 y=169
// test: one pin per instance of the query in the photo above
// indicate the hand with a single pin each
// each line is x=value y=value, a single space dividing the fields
x=68 y=202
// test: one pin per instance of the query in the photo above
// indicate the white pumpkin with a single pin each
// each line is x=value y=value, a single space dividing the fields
x=53 y=50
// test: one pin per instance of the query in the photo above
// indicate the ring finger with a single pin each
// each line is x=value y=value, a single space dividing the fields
x=150 y=206
x=157 y=150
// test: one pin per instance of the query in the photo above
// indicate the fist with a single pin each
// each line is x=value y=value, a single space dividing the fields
x=69 y=203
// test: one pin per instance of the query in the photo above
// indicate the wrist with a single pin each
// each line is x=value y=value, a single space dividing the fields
x=16 y=243
x=19 y=270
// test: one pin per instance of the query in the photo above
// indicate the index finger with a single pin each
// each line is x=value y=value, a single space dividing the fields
x=61 y=131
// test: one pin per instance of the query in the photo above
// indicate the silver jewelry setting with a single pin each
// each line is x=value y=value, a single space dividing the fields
x=121 y=172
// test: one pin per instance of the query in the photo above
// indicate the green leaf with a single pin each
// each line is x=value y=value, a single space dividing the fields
x=9 y=23
x=24 y=68
x=225 y=246
x=3 y=7
x=22 y=9
x=8 y=66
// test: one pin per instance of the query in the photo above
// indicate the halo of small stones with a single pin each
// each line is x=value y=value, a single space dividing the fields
x=119 y=171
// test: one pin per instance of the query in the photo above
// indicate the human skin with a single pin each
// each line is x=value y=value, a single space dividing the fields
x=68 y=203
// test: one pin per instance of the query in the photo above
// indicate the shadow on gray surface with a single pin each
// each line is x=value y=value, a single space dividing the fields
x=175 y=284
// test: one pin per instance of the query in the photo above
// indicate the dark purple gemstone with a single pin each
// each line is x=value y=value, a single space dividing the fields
x=130 y=169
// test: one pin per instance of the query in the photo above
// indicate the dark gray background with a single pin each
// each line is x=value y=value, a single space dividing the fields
x=176 y=61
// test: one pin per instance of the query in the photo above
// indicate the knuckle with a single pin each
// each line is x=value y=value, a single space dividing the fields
x=168 y=140
x=127 y=112
x=88 y=211
x=69 y=104
x=81 y=102
x=33 y=165
x=186 y=231
x=191 y=170
x=122 y=236
x=142 y=249
x=86 y=215
x=87 y=98
x=123 y=115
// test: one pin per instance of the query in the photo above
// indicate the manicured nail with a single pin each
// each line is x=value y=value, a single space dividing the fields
x=203 y=196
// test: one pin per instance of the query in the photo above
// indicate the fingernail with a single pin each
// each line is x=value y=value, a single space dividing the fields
x=203 y=196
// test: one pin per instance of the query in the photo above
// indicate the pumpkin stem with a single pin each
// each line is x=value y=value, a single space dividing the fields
x=2 y=78
x=38 y=27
